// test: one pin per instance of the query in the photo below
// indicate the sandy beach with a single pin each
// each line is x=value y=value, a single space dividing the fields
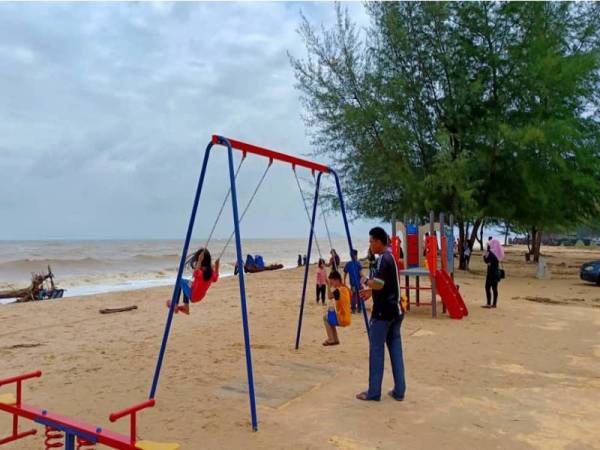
x=524 y=376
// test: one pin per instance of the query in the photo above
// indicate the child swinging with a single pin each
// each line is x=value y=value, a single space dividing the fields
x=338 y=315
x=204 y=275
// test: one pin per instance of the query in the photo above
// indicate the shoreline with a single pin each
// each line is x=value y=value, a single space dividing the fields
x=85 y=290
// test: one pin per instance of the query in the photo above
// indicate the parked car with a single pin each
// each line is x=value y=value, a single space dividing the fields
x=590 y=271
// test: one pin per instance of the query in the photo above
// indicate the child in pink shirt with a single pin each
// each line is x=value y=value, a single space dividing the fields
x=321 y=281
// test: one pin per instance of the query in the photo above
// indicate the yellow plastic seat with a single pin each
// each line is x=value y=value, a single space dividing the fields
x=149 y=445
x=8 y=399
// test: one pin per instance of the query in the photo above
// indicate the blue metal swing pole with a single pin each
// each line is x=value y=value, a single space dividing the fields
x=240 y=262
x=353 y=275
x=308 y=252
x=177 y=288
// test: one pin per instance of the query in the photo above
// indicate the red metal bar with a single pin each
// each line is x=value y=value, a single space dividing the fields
x=17 y=436
x=103 y=437
x=132 y=409
x=25 y=376
x=272 y=154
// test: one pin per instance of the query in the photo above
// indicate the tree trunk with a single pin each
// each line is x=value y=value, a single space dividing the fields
x=462 y=264
x=474 y=230
x=536 y=243
x=506 y=230
x=466 y=236
x=537 y=246
x=480 y=237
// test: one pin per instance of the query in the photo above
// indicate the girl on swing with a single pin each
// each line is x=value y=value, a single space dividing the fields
x=204 y=275
x=338 y=316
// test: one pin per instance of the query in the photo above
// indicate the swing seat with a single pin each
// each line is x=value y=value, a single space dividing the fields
x=8 y=399
x=150 y=445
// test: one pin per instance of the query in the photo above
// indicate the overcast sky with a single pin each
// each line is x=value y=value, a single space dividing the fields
x=106 y=109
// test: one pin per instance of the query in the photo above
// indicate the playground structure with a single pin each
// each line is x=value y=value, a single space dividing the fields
x=420 y=259
x=271 y=155
x=64 y=432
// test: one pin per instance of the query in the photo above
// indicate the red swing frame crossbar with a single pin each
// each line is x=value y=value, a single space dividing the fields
x=67 y=425
x=271 y=154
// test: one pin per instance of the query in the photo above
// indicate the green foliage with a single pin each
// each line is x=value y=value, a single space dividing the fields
x=482 y=109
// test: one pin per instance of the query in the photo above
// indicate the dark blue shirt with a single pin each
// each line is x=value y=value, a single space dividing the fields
x=385 y=300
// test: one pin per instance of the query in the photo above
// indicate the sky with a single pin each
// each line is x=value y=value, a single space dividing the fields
x=106 y=109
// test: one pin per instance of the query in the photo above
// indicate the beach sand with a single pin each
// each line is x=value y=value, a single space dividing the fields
x=524 y=376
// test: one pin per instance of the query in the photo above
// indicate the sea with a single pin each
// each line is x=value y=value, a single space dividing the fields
x=99 y=266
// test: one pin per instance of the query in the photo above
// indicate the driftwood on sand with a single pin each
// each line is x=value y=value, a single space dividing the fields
x=117 y=310
x=36 y=290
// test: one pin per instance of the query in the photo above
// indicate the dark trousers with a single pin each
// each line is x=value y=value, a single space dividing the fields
x=356 y=303
x=382 y=333
x=321 y=292
x=491 y=285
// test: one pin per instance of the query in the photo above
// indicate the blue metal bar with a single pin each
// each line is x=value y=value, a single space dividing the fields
x=353 y=279
x=177 y=288
x=69 y=441
x=240 y=262
x=308 y=252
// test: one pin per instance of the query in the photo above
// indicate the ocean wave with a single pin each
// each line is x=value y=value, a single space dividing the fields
x=44 y=262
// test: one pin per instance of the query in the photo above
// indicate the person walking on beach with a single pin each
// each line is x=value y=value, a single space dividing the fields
x=321 y=281
x=386 y=319
x=334 y=260
x=492 y=257
x=467 y=254
x=354 y=268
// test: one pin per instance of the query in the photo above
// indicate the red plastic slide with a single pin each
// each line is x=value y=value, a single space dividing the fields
x=450 y=296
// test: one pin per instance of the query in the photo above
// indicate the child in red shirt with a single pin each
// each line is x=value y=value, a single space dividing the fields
x=204 y=275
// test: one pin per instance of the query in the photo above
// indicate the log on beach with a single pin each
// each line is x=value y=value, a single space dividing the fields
x=117 y=310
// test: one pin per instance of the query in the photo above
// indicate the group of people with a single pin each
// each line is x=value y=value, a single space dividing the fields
x=382 y=285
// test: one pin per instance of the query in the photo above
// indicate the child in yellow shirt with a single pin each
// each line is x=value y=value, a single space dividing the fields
x=338 y=315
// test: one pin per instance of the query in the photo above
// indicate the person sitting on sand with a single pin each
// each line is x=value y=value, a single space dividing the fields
x=204 y=275
x=338 y=315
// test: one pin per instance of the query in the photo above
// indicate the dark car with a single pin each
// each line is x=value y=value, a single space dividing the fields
x=590 y=271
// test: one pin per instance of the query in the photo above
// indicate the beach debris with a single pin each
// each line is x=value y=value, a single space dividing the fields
x=32 y=345
x=117 y=310
x=42 y=287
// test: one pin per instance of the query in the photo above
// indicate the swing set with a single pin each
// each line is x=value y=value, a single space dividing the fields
x=271 y=155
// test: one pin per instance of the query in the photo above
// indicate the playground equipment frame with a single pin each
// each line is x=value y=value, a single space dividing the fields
x=272 y=155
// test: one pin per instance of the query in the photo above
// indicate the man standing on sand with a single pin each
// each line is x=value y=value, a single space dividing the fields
x=385 y=322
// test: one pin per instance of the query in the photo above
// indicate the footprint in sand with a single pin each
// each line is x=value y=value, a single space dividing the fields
x=420 y=333
x=345 y=443
x=511 y=368
x=553 y=326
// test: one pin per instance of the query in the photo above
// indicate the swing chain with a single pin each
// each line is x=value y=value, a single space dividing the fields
x=262 y=178
x=307 y=213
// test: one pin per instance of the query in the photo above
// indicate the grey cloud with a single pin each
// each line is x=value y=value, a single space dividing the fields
x=106 y=109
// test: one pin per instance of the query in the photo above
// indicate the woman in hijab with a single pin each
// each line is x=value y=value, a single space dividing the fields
x=492 y=257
